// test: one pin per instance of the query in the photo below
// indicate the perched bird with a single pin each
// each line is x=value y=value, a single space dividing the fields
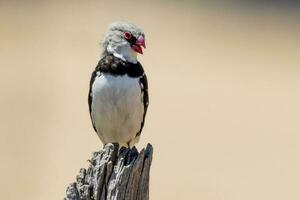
x=118 y=95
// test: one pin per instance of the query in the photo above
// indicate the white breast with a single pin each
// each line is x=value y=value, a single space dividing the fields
x=117 y=108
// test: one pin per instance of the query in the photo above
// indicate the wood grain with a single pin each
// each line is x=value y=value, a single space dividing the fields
x=114 y=174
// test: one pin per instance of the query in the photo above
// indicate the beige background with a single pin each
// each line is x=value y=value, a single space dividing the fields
x=224 y=89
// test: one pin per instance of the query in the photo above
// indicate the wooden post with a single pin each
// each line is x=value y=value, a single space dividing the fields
x=114 y=174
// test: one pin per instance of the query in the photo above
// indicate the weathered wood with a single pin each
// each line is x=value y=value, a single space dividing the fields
x=114 y=174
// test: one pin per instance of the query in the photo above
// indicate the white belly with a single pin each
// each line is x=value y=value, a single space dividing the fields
x=117 y=108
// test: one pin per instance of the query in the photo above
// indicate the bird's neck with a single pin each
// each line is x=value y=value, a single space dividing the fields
x=124 y=53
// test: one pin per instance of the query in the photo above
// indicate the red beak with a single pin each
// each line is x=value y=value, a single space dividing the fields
x=139 y=42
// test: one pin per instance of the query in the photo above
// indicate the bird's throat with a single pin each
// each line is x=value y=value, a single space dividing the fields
x=124 y=53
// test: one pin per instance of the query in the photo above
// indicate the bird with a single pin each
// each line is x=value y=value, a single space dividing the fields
x=118 y=93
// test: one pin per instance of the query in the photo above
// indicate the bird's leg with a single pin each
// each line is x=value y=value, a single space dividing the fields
x=128 y=145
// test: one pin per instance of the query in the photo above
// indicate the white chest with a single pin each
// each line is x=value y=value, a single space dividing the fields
x=117 y=107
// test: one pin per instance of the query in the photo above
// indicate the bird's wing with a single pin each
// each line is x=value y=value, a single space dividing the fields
x=144 y=88
x=95 y=73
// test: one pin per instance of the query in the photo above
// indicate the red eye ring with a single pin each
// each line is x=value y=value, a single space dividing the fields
x=127 y=35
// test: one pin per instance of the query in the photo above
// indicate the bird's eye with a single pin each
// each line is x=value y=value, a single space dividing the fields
x=127 y=35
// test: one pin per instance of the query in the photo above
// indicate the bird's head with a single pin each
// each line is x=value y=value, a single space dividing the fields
x=124 y=40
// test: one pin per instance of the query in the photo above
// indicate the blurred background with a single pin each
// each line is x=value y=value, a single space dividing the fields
x=224 y=82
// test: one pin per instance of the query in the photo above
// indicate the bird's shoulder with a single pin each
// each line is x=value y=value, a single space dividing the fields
x=115 y=66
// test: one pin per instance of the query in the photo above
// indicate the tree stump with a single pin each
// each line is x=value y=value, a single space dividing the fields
x=114 y=174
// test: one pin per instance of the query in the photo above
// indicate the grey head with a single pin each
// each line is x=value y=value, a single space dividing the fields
x=124 y=40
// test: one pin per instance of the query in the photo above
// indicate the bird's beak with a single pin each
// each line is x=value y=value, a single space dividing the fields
x=139 y=42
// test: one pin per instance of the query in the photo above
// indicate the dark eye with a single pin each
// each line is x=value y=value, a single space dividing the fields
x=127 y=35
